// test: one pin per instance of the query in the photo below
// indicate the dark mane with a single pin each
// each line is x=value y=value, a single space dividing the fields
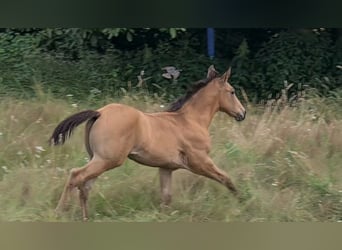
x=179 y=103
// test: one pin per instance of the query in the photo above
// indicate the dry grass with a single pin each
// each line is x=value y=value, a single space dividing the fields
x=286 y=161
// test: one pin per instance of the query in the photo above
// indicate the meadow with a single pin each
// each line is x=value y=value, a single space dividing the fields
x=286 y=160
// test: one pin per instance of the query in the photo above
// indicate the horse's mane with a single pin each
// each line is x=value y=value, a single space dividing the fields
x=179 y=103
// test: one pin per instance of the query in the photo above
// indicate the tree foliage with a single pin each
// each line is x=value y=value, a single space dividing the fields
x=110 y=60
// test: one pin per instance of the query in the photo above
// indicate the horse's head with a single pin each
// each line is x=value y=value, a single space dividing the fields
x=228 y=101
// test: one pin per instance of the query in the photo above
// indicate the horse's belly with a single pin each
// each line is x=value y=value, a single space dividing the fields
x=155 y=160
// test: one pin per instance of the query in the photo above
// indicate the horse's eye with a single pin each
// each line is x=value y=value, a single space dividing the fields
x=233 y=92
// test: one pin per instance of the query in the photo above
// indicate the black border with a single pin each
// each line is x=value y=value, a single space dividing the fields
x=153 y=13
x=230 y=14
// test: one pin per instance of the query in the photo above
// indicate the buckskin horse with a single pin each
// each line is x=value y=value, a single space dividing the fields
x=177 y=138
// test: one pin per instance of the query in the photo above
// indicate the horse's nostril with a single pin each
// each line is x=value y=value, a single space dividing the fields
x=241 y=116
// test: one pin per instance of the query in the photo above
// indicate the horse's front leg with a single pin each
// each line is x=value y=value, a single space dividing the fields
x=200 y=163
x=165 y=177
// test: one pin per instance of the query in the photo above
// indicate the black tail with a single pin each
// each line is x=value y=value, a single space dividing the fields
x=65 y=128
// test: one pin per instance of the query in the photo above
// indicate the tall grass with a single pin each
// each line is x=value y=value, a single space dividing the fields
x=286 y=161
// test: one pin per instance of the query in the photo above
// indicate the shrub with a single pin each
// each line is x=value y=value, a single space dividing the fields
x=303 y=58
x=16 y=54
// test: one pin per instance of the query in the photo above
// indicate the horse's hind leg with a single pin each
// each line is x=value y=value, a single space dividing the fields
x=78 y=178
x=83 y=195
x=66 y=191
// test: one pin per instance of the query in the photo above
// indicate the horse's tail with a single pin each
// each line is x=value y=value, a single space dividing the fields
x=64 y=129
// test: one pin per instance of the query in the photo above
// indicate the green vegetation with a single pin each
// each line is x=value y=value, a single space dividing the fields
x=287 y=167
x=107 y=62
x=285 y=157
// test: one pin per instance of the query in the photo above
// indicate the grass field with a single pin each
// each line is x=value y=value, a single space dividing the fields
x=287 y=163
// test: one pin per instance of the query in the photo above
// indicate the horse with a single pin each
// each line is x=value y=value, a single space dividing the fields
x=177 y=138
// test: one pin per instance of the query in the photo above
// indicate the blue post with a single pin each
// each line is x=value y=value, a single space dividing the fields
x=211 y=42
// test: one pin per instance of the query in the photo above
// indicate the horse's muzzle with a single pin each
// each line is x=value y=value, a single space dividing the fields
x=241 y=116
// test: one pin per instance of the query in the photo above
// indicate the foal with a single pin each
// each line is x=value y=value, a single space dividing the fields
x=171 y=140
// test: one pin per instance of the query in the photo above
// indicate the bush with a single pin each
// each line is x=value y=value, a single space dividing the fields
x=303 y=58
x=16 y=54
x=92 y=63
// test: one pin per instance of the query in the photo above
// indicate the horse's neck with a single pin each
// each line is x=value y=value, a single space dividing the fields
x=201 y=109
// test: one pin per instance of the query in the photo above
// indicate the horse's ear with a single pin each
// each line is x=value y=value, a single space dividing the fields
x=212 y=73
x=226 y=75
